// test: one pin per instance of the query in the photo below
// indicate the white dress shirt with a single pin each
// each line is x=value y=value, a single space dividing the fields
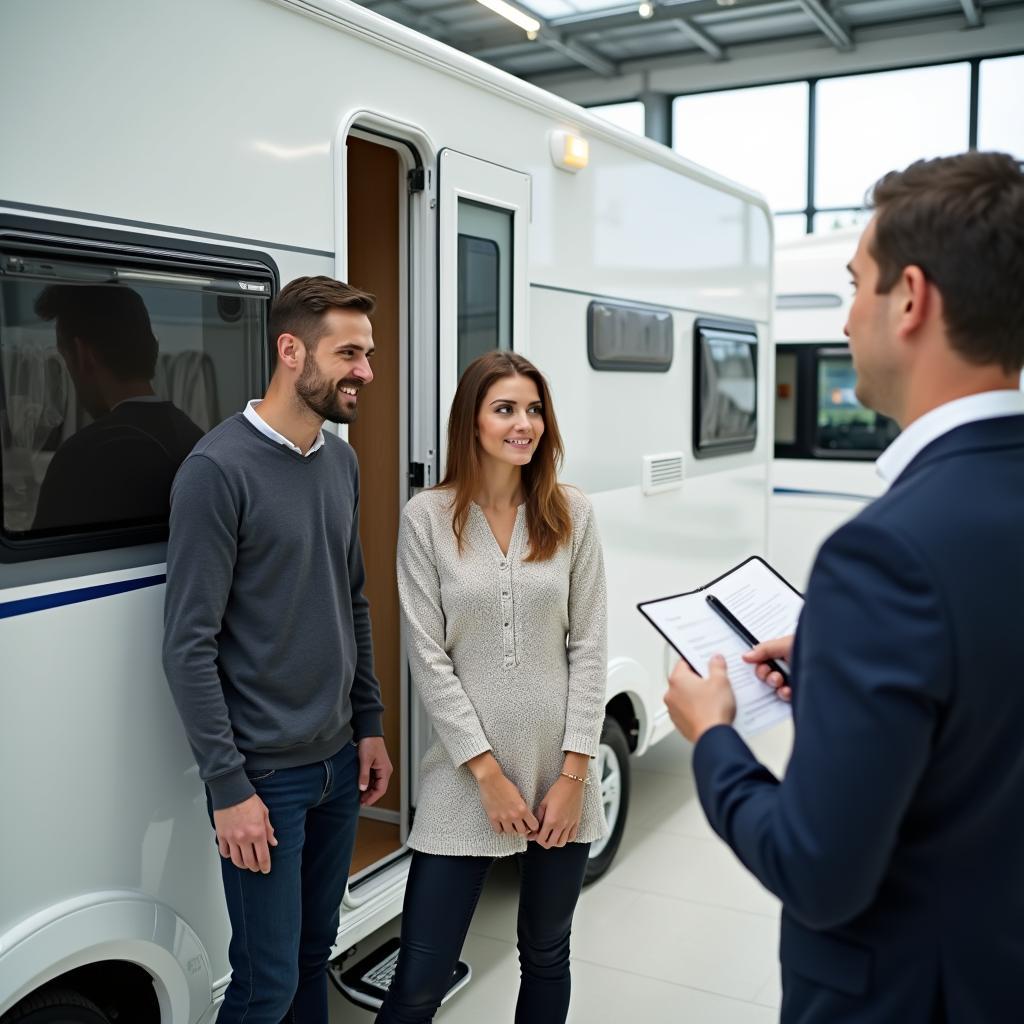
x=988 y=405
x=265 y=428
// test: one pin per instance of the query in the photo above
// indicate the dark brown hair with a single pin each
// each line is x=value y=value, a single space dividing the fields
x=960 y=219
x=548 y=519
x=300 y=307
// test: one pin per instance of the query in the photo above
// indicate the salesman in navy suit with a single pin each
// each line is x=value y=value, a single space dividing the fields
x=896 y=839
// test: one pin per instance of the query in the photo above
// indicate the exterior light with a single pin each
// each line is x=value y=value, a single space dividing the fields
x=568 y=151
x=513 y=14
x=646 y=9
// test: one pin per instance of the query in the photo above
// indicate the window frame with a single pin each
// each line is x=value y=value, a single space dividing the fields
x=728 y=447
x=628 y=365
x=61 y=240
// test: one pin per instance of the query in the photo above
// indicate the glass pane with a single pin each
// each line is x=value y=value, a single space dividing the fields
x=728 y=394
x=870 y=124
x=626 y=115
x=734 y=133
x=1000 y=119
x=844 y=425
x=627 y=338
x=786 y=383
x=108 y=385
x=484 y=280
x=837 y=220
x=789 y=226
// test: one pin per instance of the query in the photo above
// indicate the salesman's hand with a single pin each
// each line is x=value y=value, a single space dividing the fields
x=779 y=649
x=374 y=769
x=696 y=704
x=244 y=834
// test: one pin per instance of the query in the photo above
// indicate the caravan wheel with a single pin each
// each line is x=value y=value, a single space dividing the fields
x=56 y=1006
x=612 y=772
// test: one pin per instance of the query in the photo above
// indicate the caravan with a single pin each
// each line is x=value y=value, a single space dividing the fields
x=201 y=157
x=825 y=440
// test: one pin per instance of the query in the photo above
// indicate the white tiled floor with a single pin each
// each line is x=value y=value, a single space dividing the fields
x=677 y=931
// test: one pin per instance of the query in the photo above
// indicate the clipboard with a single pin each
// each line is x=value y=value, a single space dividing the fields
x=765 y=603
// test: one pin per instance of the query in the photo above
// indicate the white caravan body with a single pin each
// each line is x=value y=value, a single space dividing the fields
x=814 y=489
x=206 y=154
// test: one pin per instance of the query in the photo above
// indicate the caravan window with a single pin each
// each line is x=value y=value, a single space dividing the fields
x=622 y=337
x=843 y=424
x=112 y=368
x=725 y=380
x=817 y=414
x=484 y=280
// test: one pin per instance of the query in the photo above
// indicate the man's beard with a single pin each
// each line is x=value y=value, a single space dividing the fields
x=321 y=395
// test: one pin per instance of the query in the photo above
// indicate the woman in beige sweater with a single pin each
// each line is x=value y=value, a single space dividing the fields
x=503 y=596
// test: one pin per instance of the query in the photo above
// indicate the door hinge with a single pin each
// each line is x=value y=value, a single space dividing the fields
x=417 y=179
x=417 y=474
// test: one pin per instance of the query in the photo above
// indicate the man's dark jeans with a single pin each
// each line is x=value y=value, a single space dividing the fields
x=283 y=924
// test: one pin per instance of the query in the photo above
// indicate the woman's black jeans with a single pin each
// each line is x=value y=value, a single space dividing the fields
x=440 y=898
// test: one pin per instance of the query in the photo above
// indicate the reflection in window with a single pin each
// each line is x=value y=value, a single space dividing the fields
x=843 y=424
x=869 y=124
x=626 y=115
x=1000 y=121
x=730 y=132
x=484 y=280
x=726 y=406
x=110 y=374
x=621 y=337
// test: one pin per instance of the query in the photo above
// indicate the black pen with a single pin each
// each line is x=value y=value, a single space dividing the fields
x=743 y=633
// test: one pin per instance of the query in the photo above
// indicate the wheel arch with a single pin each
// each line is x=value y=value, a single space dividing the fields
x=106 y=929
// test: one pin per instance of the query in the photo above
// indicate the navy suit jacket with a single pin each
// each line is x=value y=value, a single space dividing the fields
x=896 y=839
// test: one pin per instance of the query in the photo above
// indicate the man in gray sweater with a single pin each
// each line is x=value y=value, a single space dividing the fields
x=268 y=653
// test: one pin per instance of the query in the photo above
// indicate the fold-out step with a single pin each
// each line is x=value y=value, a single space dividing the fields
x=366 y=982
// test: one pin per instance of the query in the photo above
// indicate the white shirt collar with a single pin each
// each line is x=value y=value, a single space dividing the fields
x=932 y=425
x=267 y=430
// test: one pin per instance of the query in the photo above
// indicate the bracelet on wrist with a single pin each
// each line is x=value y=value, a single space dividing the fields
x=576 y=778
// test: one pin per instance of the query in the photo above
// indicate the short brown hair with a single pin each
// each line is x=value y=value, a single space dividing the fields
x=300 y=306
x=961 y=220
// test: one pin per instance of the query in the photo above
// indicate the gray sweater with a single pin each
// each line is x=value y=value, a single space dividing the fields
x=267 y=644
x=508 y=656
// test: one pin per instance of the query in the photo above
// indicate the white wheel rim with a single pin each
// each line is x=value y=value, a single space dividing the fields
x=609 y=773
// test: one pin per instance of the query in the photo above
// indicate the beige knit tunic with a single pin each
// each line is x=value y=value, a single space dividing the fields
x=507 y=656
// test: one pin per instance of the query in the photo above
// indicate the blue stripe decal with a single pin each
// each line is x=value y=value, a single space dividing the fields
x=823 y=494
x=37 y=604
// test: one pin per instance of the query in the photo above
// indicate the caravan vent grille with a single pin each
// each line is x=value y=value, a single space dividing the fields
x=662 y=472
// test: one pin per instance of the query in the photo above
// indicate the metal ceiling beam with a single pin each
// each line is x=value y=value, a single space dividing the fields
x=664 y=11
x=702 y=39
x=832 y=30
x=972 y=12
x=577 y=51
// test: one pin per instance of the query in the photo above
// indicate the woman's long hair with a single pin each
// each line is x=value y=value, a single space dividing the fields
x=548 y=520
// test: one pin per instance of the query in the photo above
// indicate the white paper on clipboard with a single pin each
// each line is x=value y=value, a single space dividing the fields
x=764 y=602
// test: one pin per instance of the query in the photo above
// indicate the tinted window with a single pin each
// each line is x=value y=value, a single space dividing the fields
x=621 y=337
x=479 y=297
x=726 y=380
x=484 y=280
x=110 y=374
x=843 y=424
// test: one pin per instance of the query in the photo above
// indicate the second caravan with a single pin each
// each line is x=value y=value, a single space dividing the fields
x=331 y=142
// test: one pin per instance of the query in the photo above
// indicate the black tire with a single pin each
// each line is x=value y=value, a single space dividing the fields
x=616 y=750
x=55 y=1006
